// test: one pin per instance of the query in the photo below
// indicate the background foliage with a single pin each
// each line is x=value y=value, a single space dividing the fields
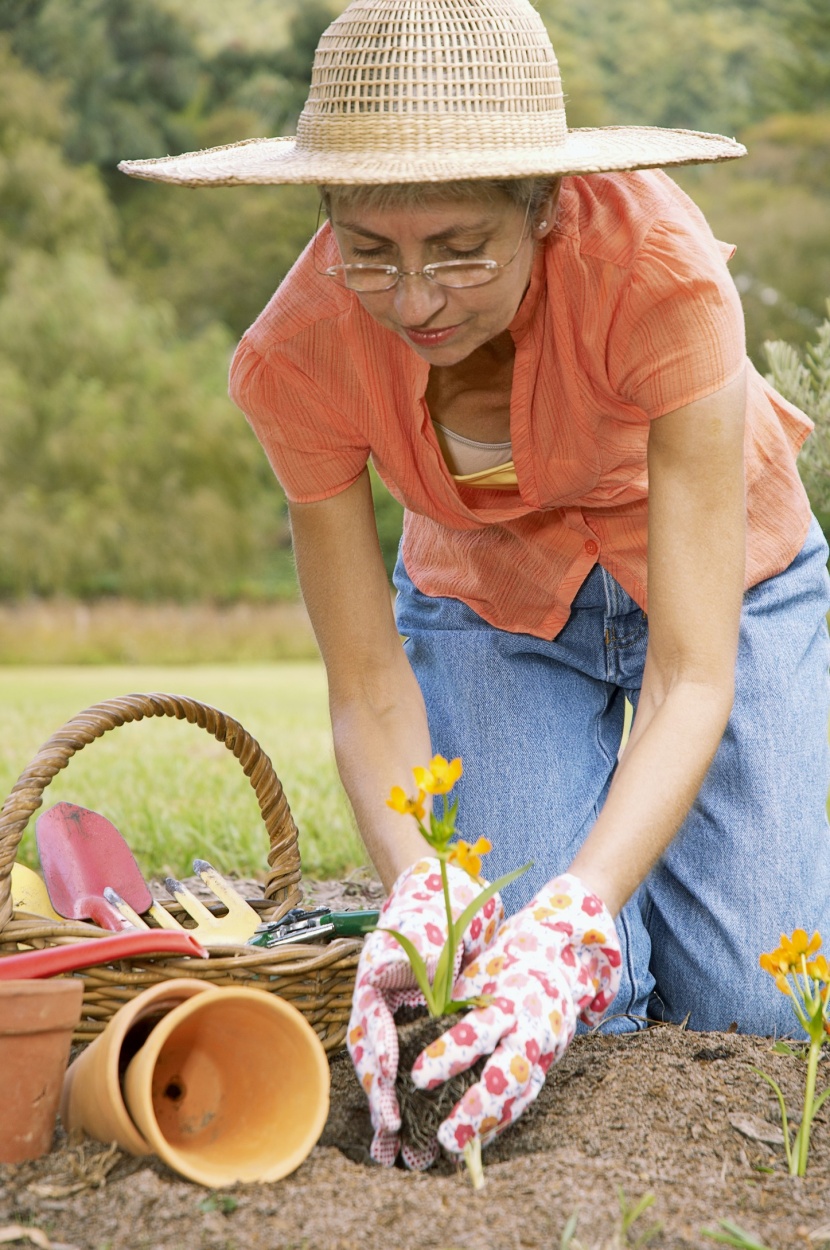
x=124 y=468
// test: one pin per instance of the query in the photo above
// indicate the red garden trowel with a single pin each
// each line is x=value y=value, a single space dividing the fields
x=82 y=854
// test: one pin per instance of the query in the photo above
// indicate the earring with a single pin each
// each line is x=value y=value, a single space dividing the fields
x=542 y=225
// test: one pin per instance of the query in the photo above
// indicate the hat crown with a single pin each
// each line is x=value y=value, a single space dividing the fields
x=441 y=63
x=435 y=56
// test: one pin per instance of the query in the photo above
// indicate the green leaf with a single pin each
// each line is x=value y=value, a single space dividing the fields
x=782 y=1048
x=441 y=988
x=478 y=902
x=568 y=1232
x=732 y=1235
x=784 y=1122
x=419 y=968
x=441 y=982
x=819 y=1103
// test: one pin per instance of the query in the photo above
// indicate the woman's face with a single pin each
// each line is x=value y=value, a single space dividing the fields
x=442 y=325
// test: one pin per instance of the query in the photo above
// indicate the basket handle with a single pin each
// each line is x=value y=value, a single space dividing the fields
x=27 y=795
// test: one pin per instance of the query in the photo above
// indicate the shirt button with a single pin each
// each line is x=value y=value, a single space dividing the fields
x=591 y=547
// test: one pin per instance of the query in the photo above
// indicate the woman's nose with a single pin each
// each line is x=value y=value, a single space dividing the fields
x=417 y=299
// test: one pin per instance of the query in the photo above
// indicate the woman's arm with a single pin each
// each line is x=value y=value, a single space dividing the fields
x=696 y=562
x=378 y=716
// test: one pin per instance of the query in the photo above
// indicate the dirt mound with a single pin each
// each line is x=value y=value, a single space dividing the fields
x=676 y=1114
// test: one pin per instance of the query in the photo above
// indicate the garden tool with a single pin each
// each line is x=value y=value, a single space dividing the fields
x=234 y=929
x=81 y=853
x=57 y=959
x=29 y=893
x=309 y=926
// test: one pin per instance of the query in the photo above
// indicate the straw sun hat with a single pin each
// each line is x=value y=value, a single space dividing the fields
x=435 y=91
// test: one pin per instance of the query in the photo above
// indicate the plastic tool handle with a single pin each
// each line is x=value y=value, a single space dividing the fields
x=32 y=965
x=352 y=923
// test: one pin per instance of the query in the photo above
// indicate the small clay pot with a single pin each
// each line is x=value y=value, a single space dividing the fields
x=423 y=1110
x=92 y=1097
x=232 y=1085
x=37 y=1019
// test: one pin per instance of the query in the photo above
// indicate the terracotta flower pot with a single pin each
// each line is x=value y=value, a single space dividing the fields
x=36 y=1023
x=230 y=1086
x=92 y=1097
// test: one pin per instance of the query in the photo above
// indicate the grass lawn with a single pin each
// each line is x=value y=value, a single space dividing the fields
x=172 y=789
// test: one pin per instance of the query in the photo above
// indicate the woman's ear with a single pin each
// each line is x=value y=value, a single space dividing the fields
x=545 y=218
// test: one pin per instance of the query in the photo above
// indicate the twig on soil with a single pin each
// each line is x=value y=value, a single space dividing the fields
x=17 y=1232
x=89 y=1171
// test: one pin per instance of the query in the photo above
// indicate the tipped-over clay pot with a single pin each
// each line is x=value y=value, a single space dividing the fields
x=36 y=1023
x=232 y=1085
x=92 y=1097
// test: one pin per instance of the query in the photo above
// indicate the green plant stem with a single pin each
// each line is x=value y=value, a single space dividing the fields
x=450 y=928
x=809 y=1109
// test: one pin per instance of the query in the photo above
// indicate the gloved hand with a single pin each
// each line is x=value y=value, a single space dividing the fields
x=553 y=962
x=384 y=982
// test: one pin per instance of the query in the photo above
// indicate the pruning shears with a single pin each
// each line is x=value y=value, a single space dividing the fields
x=311 y=926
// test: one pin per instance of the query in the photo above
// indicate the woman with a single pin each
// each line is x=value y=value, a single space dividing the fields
x=538 y=343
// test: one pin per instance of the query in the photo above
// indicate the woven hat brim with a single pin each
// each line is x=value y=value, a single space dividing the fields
x=587 y=151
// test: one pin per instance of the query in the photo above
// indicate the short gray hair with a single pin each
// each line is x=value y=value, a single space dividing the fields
x=518 y=191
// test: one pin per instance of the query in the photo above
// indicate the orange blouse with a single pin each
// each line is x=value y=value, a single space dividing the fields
x=630 y=314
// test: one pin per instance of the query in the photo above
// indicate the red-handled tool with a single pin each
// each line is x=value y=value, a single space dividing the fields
x=31 y=965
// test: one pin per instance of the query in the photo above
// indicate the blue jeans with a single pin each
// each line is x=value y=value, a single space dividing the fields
x=539 y=724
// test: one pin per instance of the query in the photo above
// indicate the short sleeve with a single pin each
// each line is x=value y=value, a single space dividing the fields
x=313 y=450
x=677 y=333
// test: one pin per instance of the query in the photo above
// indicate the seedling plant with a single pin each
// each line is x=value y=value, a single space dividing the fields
x=440 y=833
x=804 y=976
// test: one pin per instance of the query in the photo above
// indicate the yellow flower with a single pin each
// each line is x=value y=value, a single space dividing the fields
x=439 y=777
x=818 y=969
x=399 y=802
x=788 y=954
x=469 y=857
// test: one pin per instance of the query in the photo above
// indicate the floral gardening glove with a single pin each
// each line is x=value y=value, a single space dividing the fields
x=384 y=982
x=553 y=962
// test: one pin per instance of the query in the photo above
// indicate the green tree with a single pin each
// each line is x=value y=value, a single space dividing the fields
x=775 y=205
x=44 y=202
x=124 y=467
x=803 y=377
x=130 y=67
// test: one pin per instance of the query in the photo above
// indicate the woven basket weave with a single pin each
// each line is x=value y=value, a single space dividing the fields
x=318 y=980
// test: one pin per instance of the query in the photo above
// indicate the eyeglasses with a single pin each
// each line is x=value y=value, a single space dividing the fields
x=456 y=274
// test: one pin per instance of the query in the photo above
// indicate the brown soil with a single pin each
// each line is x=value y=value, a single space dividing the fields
x=675 y=1114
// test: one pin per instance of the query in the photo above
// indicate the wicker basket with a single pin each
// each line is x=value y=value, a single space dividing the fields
x=318 y=980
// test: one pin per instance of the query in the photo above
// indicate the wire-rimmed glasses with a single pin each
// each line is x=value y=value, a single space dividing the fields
x=371 y=279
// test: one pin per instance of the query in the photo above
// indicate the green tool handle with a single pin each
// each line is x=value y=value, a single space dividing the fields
x=351 y=923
